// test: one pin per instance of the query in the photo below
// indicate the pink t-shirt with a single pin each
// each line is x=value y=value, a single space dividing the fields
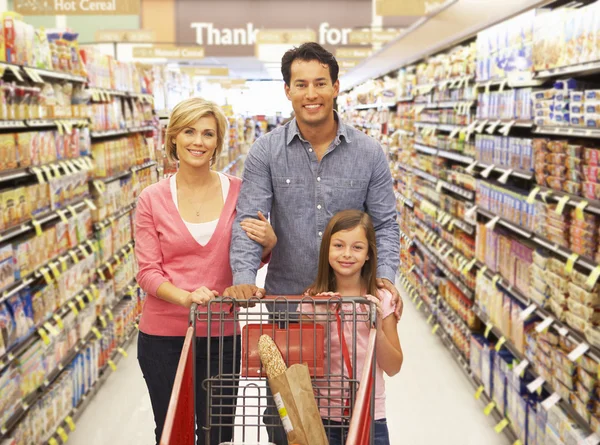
x=329 y=390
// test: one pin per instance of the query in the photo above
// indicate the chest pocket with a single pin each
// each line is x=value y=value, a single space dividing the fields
x=290 y=193
x=343 y=194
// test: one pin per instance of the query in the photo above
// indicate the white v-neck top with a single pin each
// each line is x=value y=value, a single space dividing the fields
x=201 y=232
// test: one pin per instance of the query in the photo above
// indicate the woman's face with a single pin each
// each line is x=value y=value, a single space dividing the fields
x=196 y=144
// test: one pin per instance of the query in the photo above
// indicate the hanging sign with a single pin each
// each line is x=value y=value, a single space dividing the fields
x=169 y=52
x=77 y=7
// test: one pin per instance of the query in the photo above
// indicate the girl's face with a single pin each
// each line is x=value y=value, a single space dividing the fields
x=197 y=143
x=348 y=251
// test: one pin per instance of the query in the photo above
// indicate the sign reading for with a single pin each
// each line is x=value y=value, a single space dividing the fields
x=135 y=36
x=77 y=7
x=169 y=52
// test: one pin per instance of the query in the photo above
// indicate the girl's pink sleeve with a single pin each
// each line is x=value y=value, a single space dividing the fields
x=387 y=303
x=147 y=248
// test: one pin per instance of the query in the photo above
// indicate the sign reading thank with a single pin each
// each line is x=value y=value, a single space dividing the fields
x=77 y=7
x=169 y=52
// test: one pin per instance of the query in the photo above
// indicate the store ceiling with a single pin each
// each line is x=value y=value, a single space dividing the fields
x=459 y=21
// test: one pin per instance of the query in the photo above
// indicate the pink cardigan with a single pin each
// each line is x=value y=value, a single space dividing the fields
x=166 y=251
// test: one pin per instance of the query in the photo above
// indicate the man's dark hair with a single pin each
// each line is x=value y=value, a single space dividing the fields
x=308 y=52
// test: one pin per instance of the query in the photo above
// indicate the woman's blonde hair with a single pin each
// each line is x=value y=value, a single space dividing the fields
x=185 y=114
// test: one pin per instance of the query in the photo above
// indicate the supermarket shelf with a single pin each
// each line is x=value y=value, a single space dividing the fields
x=440 y=242
x=114 y=177
x=405 y=238
x=12 y=124
x=58 y=75
x=441 y=127
x=28 y=226
x=107 y=221
x=375 y=105
x=426 y=149
x=448 y=104
x=144 y=166
x=446 y=83
x=232 y=164
x=425 y=175
x=407 y=202
x=569 y=131
x=581 y=69
x=458 y=222
x=77 y=412
x=564 y=405
x=122 y=132
x=438 y=262
x=404 y=132
x=467 y=194
x=528 y=176
x=554 y=195
x=582 y=261
x=27 y=172
x=405 y=99
x=454 y=156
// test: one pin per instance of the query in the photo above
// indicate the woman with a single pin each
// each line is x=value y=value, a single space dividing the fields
x=183 y=233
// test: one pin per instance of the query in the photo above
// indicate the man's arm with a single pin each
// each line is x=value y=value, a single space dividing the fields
x=381 y=206
x=256 y=195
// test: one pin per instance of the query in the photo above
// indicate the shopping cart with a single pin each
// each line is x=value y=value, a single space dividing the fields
x=319 y=332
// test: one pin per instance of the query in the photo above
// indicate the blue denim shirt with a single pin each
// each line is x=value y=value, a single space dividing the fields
x=283 y=177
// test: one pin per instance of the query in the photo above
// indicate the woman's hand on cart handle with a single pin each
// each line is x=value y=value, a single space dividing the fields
x=396 y=298
x=201 y=296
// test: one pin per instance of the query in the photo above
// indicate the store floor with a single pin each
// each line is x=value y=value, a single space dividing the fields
x=429 y=402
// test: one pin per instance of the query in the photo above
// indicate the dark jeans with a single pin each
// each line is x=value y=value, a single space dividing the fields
x=336 y=434
x=159 y=356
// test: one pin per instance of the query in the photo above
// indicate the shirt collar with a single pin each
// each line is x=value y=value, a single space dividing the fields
x=342 y=131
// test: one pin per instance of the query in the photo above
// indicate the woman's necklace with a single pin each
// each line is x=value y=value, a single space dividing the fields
x=193 y=202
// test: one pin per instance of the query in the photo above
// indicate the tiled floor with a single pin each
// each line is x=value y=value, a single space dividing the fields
x=429 y=402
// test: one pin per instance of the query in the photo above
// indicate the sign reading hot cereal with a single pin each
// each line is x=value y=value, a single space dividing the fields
x=77 y=7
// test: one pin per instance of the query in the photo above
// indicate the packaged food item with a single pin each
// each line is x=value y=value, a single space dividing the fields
x=592 y=335
x=587 y=313
x=576 y=322
x=588 y=381
x=573 y=188
x=589 y=365
x=591 y=190
x=554 y=182
x=591 y=156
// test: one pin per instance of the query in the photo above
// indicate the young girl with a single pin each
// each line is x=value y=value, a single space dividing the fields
x=348 y=267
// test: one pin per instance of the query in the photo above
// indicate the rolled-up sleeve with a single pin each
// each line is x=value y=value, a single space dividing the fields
x=147 y=248
x=256 y=195
x=381 y=205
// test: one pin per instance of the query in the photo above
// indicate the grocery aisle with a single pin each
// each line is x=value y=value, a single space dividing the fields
x=430 y=401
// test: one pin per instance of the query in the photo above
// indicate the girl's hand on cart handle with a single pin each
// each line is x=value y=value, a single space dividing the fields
x=396 y=298
x=201 y=296
x=328 y=294
x=378 y=308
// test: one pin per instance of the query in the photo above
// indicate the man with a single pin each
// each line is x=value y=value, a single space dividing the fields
x=304 y=172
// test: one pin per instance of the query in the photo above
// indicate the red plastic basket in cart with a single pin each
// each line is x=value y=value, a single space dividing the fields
x=299 y=342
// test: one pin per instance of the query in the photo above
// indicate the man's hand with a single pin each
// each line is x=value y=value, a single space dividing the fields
x=244 y=292
x=388 y=285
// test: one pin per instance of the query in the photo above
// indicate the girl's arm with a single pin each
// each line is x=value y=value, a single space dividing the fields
x=388 y=348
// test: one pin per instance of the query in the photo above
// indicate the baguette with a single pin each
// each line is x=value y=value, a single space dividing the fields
x=271 y=357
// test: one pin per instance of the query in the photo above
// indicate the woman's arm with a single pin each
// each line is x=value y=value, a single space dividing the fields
x=388 y=348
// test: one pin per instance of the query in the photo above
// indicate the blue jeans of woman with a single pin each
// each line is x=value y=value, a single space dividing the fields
x=336 y=433
x=159 y=356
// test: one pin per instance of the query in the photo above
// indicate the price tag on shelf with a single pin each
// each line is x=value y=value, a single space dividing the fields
x=83 y=251
x=485 y=173
x=90 y=204
x=562 y=202
x=112 y=365
x=70 y=423
x=46 y=274
x=73 y=308
x=99 y=186
x=63 y=217
x=88 y=295
x=124 y=253
x=47 y=172
x=570 y=263
x=72 y=210
x=526 y=313
x=110 y=268
x=74 y=256
x=491 y=224
x=471 y=167
x=103 y=321
x=488 y=85
x=451 y=226
x=506 y=128
x=97 y=333
x=58 y=321
x=489 y=408
x=52 y=441
x=37 y=226
x=481 y=126
x=63 y=263
x=488 y=329
x=62 y=434
x=38 y=175
x=438 y=186
x=501 y=425
x=454 y=133
x=493 y=127
x=122 y=352
x=446 y=219
x=79 y=300
x=420 y=304
x=44 y=336
x=51 y=329
x=55 y=271
x=541 y=327
x=536 y=384
x=578 y=351
x=469 y=213
x=95 y=290
x=435 y=329
x=469 y=266
x=91 y=245
x=551 y=401
x=495 y=280
x=504 y=178
x=117 y=259
x=520 y=368
x=17 y=73
x=55 y=170
x=593 y=278
x=101 y=274
x=500 y=343
x=479 y=392
x=429 y=319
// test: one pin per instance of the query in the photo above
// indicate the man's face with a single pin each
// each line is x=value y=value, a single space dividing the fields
x=311 y=92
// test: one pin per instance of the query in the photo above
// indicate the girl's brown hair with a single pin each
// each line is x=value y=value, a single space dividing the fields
x=346 y=220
